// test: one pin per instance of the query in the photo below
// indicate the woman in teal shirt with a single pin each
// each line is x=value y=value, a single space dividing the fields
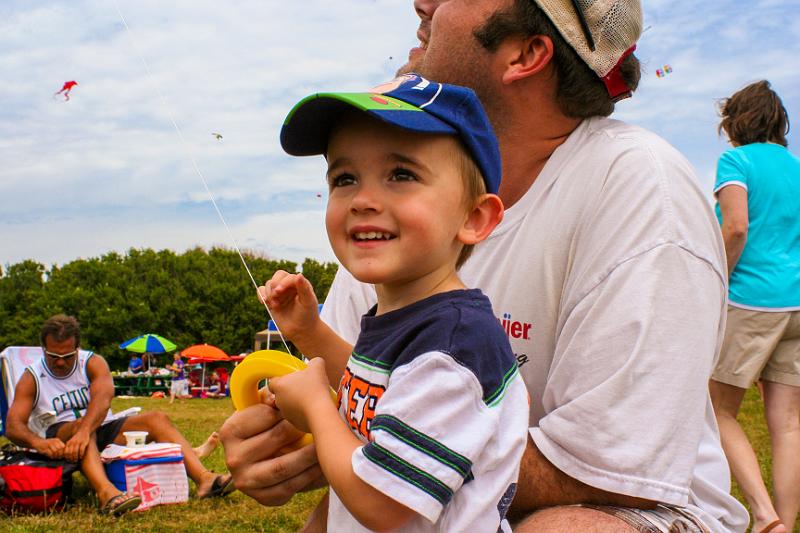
x=758 y=194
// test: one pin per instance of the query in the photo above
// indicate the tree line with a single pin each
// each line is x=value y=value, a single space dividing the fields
x=190 y=298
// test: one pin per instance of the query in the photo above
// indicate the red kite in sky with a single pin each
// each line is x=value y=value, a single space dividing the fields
x=68 y=85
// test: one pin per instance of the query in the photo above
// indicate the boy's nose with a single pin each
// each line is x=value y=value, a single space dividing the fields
x=366 y=199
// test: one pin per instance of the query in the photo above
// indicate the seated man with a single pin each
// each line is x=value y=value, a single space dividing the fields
x=135 y=366
x=76 y=388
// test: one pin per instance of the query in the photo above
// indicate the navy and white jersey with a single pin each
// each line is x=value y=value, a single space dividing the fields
x=64 y=397
x=434 y=393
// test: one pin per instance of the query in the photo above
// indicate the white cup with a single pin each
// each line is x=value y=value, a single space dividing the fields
x=135 y=439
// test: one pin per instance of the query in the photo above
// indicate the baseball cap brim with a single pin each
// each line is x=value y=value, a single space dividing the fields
x=308 y=125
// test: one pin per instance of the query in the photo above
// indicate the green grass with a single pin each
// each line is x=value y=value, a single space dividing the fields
x=197 y=419
x=236 y=512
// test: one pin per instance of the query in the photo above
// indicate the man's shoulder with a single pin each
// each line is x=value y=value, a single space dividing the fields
x=613 y=136
x=94 y=363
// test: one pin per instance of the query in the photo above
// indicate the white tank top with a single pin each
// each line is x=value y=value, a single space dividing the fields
x=61 y=399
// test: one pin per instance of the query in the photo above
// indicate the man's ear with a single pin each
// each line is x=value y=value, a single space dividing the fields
x=527 y=56
x=482 y=219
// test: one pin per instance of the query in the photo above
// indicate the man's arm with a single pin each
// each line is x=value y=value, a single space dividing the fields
x=735 y=221
x=537 y=472
x=17 y=420
x=625 y=405
x=101 y=389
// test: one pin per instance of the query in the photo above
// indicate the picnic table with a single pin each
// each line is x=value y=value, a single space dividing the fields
x=140 y=385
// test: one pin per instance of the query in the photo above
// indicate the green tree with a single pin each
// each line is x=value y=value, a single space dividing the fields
x=21 y=303
x=320 y=275
x=190 y=298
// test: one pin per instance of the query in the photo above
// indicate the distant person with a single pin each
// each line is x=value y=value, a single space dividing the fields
x=135 y=365
x=178 y=386
x=148 y=361
x=215 y=386
x=76 y=387
x=758 y=194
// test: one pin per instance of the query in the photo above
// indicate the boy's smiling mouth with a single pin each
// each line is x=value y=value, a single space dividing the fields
x=372 y=236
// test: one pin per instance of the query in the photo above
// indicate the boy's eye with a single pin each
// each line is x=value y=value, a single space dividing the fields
x=402 y=174
x=342 y=180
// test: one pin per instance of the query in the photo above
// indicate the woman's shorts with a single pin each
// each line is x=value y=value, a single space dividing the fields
x=760 y=345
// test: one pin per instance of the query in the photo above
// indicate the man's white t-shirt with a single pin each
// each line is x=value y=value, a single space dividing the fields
x=608 y=277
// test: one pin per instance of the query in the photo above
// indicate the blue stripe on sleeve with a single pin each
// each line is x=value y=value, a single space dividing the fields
x=407 y=472
x=423 y=443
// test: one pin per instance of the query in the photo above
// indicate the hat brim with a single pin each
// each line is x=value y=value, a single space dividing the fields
x=308 y=125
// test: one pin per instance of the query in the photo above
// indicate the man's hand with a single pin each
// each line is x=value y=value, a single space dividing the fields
x=292 y=303
x=76 y=446
x=252 y=439
x=297 y=394
x=52 y=448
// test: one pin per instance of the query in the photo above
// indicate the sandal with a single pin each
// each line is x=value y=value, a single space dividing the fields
x=121 y=504
x=220 y=487
x=771 y=526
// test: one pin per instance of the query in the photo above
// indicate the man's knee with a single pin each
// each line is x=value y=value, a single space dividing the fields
x=572 y=518
x=152 y=421
x=156 y=418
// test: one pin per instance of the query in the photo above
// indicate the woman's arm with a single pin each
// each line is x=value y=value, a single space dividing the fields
x=735 y=221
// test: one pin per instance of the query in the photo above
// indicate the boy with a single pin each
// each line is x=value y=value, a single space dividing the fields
x=435 y=412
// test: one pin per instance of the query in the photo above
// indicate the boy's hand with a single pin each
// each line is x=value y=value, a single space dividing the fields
x=298 y=394
x=292 y=303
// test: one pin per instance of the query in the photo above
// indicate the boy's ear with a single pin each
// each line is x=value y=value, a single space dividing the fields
x=482 y=219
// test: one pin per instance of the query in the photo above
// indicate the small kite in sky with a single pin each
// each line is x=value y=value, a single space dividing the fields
x=68 y=85
x=217 y=135
x=661 y=72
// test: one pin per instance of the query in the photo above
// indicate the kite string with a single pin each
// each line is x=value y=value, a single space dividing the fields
x=188 y=151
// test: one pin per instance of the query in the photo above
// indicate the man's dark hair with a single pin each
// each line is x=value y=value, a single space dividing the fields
x=580 y=92
x=61 y=328
x=754 y=114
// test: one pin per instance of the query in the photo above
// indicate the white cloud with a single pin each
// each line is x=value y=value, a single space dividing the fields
x=106 y=171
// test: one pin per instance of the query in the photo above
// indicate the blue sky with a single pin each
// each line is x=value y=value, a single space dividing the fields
x=106 y=170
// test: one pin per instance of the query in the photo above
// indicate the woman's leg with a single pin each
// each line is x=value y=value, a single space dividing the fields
x=782 y=409
x=742 y=459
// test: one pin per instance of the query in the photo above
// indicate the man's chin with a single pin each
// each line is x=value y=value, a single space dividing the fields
x=407 y=69
x=414 y=63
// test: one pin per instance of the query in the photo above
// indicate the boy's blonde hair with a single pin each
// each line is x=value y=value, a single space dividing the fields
x=474 y=188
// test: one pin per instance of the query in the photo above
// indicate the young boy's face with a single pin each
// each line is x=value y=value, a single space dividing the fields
x=396 y=201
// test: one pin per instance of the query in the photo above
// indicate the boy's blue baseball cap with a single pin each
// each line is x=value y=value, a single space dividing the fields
x=410 y=102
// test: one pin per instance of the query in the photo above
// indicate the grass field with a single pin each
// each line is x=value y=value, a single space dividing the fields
x=236 y=512
x=197 y=419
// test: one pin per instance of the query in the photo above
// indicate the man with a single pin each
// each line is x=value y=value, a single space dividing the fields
x=76 y=388
x=135 y=366
x=607 y=273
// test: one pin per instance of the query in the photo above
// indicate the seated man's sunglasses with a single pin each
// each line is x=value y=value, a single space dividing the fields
x=61 y=355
